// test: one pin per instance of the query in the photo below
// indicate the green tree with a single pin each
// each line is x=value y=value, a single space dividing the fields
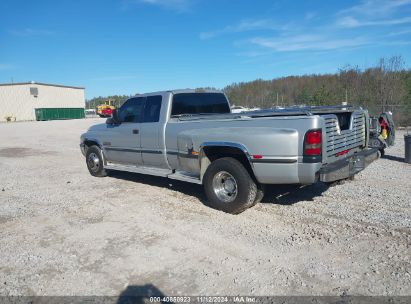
x=304 y=97
x=321 y=97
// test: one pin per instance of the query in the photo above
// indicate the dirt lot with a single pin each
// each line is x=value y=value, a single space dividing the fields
x=64 y=232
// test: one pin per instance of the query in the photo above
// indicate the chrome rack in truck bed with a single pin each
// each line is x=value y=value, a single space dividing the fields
x=306 y=110
x=271 y=112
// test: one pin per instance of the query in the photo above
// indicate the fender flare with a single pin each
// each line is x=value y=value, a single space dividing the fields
x=204 y=161
x=93 y=140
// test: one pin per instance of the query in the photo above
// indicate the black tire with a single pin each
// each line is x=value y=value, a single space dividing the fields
x=260 y=193
x=94 y=161
x=220 y=176
x=382 y=152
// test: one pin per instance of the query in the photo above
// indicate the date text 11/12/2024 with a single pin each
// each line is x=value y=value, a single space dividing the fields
x=203 y=299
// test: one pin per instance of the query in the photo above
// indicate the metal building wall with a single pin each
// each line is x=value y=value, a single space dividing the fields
x=16 y=100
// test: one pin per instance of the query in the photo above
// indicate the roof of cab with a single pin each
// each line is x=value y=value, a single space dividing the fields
x=195 y=91
x=180 y=91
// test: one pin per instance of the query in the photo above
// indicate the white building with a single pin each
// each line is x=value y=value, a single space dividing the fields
x=19 y=100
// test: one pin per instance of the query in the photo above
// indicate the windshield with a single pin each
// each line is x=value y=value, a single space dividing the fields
x=199 y=103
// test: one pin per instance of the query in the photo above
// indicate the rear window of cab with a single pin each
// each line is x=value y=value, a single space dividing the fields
x=199 y=103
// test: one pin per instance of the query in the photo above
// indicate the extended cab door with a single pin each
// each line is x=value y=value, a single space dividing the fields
x=123 y=145
x=152 y=133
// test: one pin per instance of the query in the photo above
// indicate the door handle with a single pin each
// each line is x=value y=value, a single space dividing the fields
x=135 y=131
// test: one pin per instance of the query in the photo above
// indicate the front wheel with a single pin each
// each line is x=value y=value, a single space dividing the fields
x=94 y=162
x=228 y=186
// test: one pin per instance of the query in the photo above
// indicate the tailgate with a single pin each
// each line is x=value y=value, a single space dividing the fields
x=345 y=134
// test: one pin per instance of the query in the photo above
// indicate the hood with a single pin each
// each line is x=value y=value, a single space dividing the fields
x=97 y=127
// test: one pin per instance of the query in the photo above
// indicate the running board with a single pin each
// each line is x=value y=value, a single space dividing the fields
x=141 y=170
x=185 y=177
x=179 y=175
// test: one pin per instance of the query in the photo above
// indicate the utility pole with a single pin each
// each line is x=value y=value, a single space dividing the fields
x=277 y=99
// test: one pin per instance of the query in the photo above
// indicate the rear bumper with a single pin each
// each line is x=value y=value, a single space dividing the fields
x=349 y=166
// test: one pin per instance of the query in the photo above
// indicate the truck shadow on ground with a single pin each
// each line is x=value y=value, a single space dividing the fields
x=139 y=294
x=274 y=194
x=394 y=158
x=292 y=194
x=162 y=182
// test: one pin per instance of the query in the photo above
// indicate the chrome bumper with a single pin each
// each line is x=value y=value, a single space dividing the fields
x=349 y=166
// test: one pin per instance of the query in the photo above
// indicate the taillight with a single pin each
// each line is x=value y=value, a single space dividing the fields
x=312 y=143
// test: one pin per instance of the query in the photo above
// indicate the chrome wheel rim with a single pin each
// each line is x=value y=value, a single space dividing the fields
x=225 y=186
x=93 y=162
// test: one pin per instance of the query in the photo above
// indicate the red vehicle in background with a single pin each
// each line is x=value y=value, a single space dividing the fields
x=106 y=112
x=106 y=108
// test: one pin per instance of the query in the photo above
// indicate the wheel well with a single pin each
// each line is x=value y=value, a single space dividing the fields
x=212 y=153
x=90 y=143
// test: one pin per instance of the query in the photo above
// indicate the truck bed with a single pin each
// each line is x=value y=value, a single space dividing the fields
x=272 y=112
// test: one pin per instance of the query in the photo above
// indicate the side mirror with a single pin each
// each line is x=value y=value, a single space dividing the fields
x=113 y=120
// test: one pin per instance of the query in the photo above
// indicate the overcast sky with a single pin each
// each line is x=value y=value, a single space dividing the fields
x=130 y=46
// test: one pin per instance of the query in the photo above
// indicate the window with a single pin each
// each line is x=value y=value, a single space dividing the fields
x=199 y=103
x=34 y=92
x=344 y=120
x=152 y=108
x=132 y=110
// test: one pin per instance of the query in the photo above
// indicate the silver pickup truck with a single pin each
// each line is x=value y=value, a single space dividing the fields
x=192 y=136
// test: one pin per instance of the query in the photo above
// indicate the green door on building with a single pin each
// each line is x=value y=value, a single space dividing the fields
x=59 y=113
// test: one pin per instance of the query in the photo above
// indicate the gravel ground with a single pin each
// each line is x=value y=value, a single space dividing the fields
x=64 y=232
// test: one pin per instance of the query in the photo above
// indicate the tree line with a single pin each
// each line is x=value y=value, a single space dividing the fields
x=383 y=87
